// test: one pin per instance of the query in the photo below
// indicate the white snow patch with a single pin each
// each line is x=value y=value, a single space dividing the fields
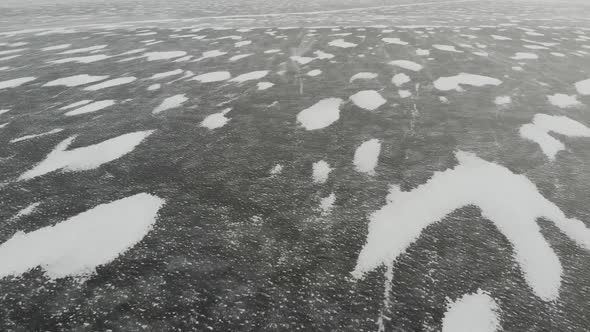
x=90 y=108
x=400 y=79
x=366 y=156
x=215 y=76
x=216 y=120
x=166 y=74
x=404 y=93
x=154 y=87
x=321 y=114
x=510 y=201
x=56 y=47
x=314 y=72
x=170 y=103
x=454 y=82
x=255 y=75
x=525 y=56
x=502 y=100
x=4 y=111
x=447 y=48
x=276 y=170
x=477 y=312
x=239 y=56
x=153 y=56
x=341 y=43
x=264 y=85
x=76 y=104
x=368 y=99
x=27 y=210
x=563 y=100
x=85 y=49
x=87 y=157
x=243 y=43
x=327 y=203
x=15 y=82
x=406 y=64
x=320 y=171
x=111 y=83
x=323 y=55
x=76 y=80
x=583 y=87
x=363 y=76
x=75 y=247
x=302 y=60
x=538 y=132
x=496 y=37
x=396 y=41
x=82 y=59
x=422 y=52
x=27 y=137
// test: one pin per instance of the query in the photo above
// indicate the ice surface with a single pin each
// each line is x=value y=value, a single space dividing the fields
x=28 y=137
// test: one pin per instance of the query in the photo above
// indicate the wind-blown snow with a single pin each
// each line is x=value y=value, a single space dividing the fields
x=563 y=100
x=525 y=56
x=87 y=157
x=366 y=156
x=215 y=76
x=76 y=80
x=27 y=137
x=56 y=47
x=85 y=49
x=255 y=75
x=320 y=171
x=27 y=210
x=239 y=56
x=454 y=82
x=476 y=312
x=75 y=247
x=327 y=203
x=16 y=82
x=406 y=64
x=76 y=104
x=363 y=76
x=4 y=111
x=111 y=83
x=583 y=87
x=302 y=60
x=313 y=73
x=538 y=132
x=276 y=170
x=510 y=201
x=90 y=108
x=447 y=48
x=368 y=99
x=264 y=85
x=170 y=103
x=216 y=120
x=82 y=59
x=321 y=114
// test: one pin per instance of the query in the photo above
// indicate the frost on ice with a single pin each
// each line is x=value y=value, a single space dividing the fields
x=477 y=312
x=87 y=157
x=366 y=156
x=512 y=202
x=76 y=246
x=321 y=114
x=454 y=82
x=170 y=103
x=538 y=132
x=368 y=99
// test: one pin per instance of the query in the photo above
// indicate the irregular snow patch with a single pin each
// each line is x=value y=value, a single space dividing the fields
x=422 y=52
x=239 y=56
x=400 y=79
x=323 y=55
x=111 y=83
x=321 y=114
x=4 y=111
x=314 y=72
x=477 y=312
x=75 y=247
x=153 y=56
x=27 y=210
x=154 y=87
x=502 y=100
x=56 y=47
x=76 y=80
x=396 y=41
x=85 y=49
x=447 y=48
x=27 y=137
x=170 y=103
x=82 y=59
x=341 y=43
x=525 y=56
x=87 y=157
x=563 y=100
x=368 y=99
x=264 y=85
x=302 y=60
x=404 y=93
x=512 y=202
x=91 y=108
x=363 y=76
x=538 y=132
x=327 y=203
x=496 y=37
x=320 y=171
x=243 y=43
x=255 y=75
x=366 y=156
x=166 y=74
x=215 y=76
x=216 y=120
x=454 y=82
x=15 y=82
x=583 y=87
x=406 y=64
x=276 y=170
